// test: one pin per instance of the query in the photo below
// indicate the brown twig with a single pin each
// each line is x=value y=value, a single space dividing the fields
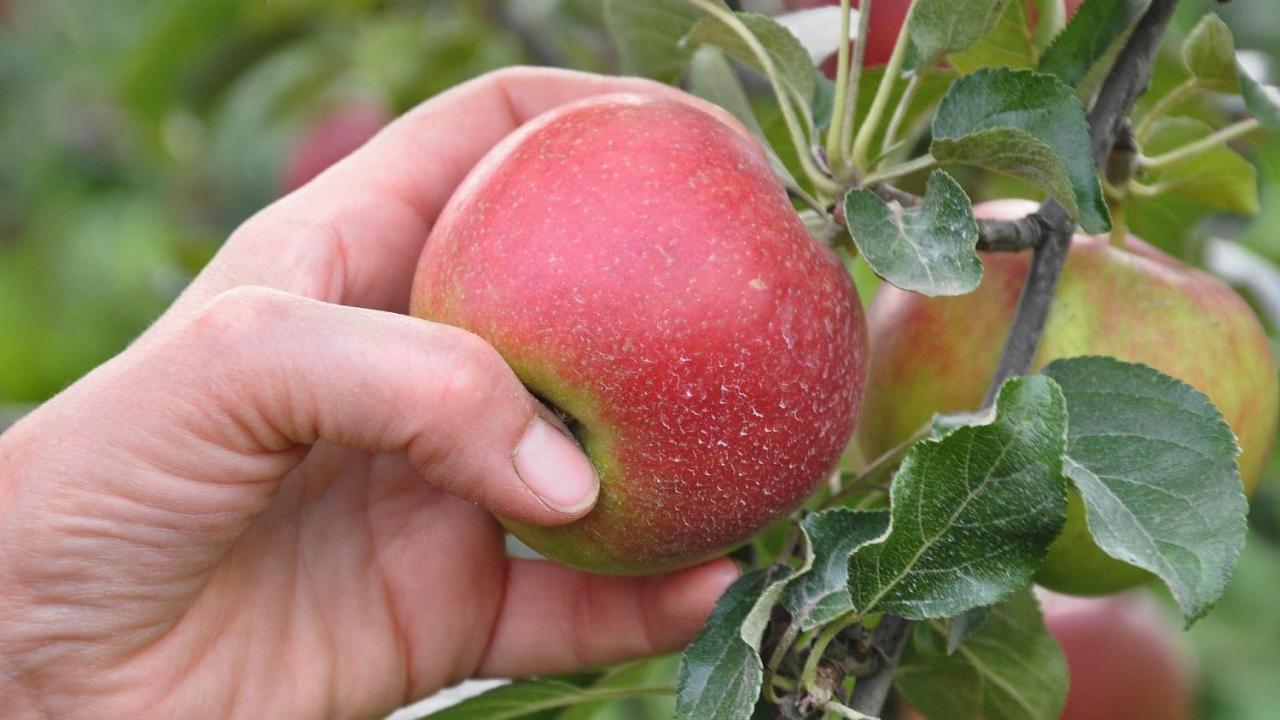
x=993 y=235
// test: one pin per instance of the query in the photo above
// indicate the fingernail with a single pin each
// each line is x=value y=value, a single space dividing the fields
x=555 y=468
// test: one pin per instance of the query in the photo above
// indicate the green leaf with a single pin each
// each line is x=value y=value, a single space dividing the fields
x=930 y=89
x=965 y=624
x=824 y=97
x=1014 y=152
x=1156 y=466
x=1171 y=221
x=1012 y=43
x=1210 y=54
x=821 y=594
x=1096 y=28
x=650 y=672
x=941 y=27
x=711 y=77
x=1009 y=669
x=1039 y=106
x=1050 y=17
x=1256 y=99
x=721 y=671
x=972 y=513
x=927 y=249
x=792 y=61
x=648 y=35
x=530 y=698
x=1220 y=177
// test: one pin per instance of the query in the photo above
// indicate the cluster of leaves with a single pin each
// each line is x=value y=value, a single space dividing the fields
x=973 y=507
x=972 y=511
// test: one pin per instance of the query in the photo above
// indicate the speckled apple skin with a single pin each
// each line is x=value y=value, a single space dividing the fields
x=638 y=265
x=937 y=354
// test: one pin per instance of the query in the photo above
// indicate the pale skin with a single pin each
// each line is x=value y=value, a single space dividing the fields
x=278 y=502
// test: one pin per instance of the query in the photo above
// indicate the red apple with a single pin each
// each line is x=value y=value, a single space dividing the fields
x=937 y=354
x=1123 y=659
x=330 y=138
x=639 y=266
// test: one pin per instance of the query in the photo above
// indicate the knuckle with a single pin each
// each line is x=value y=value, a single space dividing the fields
x=233 y=317
x=513 y=73
x=473 y=373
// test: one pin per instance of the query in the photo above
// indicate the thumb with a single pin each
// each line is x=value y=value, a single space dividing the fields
x=286 y=371
x=183 y=439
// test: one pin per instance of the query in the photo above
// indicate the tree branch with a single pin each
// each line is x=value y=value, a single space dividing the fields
x=993 y=235
x=890 y=637
x=1011 y=235
x=1126 y=80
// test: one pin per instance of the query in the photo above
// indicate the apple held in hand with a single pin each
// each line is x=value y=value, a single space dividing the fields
x=638 y=265
x=937 y=354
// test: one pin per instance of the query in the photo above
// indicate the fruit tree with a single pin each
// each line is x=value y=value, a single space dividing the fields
x=1035 y=395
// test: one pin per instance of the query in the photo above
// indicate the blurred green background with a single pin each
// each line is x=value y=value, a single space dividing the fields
x=135 y=136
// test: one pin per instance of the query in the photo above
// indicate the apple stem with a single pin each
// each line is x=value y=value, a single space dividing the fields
x=924 y=162
x=1119 y=227
x=844 y=711
x=808 y=676
x=1203 y=145
x=835 y=158
x=856 y=71
x=867 y=131
x=845 y=105
x=784 y=645
x=1162 y=106
x=900 y=112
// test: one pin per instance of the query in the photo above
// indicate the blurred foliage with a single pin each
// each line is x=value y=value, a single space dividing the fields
x=135 y=136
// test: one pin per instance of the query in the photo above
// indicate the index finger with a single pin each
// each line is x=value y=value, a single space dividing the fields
x=353 y=235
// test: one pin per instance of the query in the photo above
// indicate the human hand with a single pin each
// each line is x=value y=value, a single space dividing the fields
x=276 y=502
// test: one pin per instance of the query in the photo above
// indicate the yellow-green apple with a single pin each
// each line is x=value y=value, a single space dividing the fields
x=1135 y=303
x=640 y=268
x=329 y=138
